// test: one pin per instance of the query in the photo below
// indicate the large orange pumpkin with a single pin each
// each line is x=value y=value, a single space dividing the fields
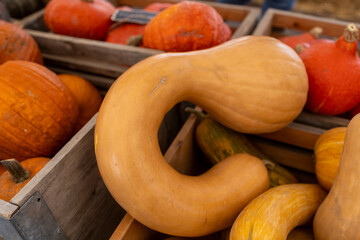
x=86 y=95
x=37 y=112
x=79 y=18
x=186 y=26
x=16 y=44
x=18 y=175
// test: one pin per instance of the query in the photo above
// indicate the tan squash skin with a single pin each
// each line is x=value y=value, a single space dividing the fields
x=338 y=217
x=224 y=81
x=273 y=214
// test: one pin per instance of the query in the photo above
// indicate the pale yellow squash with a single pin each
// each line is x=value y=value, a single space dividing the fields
x=254 y=84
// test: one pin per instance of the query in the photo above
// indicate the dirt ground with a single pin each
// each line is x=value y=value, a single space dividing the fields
x=348 y=10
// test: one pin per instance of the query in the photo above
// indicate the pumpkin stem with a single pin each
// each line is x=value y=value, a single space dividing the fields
x=201 y=115
x=316 y=32
x=299 y=48
x=17 y=171
x=135 y=40
x=351 y=33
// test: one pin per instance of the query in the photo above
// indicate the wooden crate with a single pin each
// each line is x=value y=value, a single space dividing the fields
x=110 y=59
x=68 y=199
x=184 y=155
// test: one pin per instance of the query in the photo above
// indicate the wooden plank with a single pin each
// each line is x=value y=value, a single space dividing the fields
x=7 y=209
x=74 y=191
x=35 y=20
x=83 y=65
x=323 y=121
x=130 y=229
x=296 y=134
x=117 y=54
x=286 y=155
x=304 y=22
x=263 y=28
x=247 y=25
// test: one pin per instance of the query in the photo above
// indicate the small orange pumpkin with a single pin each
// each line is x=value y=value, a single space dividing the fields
x=38 y=113
x=86 y=95
x=186 y=26
x=328 y=149
x=18 y=175
x=16 y=44
x=79 y=18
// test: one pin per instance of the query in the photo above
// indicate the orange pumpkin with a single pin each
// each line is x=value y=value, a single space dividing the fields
x=87 y=97
x=18 y=175
x=16 y=44
x=79 y=18
x=293 y=41
x=37 y=112
x=2 y=169
x=333 y=68
x=186 y=26
x=328 y=150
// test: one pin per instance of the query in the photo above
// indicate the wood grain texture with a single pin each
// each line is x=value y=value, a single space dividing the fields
x=7 y=209
x=296 y=134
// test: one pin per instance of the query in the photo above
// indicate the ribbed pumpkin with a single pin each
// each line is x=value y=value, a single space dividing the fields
x=226 y=82
x=79 y=18
x=333 y=68
x=293 y=41
x=37 y=112
x=87 y=96
x=18 y=175
x=186 y=26
x=338 y=216
x=273 y=214
x=16 y=44
x=328 y=149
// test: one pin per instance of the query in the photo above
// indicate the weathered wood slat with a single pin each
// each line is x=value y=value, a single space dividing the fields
x=296 y=134
x=286 y=155
x=323 y=121
x=7 y=209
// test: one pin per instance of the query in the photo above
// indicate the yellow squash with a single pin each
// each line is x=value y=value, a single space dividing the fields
x=338 y=217
x=273 y=214
x=328 y=149
x=254 y=84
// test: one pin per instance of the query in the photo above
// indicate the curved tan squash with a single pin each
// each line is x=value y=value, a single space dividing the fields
x=252 y=84
x=273 y=214
x=338 y=216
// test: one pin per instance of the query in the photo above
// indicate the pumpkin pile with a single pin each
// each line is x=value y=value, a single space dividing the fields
x=184 y=26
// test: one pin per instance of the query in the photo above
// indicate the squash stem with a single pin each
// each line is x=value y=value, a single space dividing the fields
x=201 y=115
x=17 y=171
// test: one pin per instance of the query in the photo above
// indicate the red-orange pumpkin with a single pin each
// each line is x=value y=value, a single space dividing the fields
x=79 y=18
x=293 y=41
x=86 y=95
x=16 y=44
x=38 y=113
x=20 y=174
x=186 y=26
x=333 y=68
